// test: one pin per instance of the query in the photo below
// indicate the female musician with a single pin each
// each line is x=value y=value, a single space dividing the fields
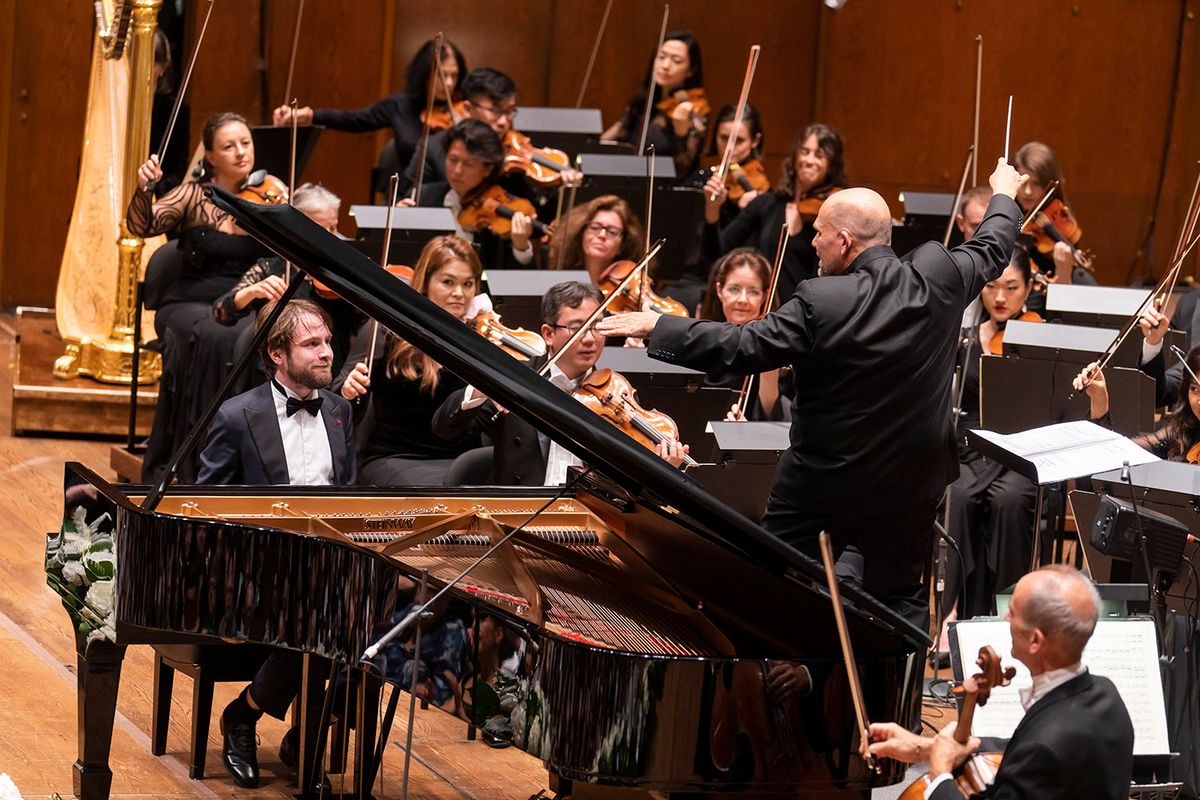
x=215 y=252
x=473 y=158
x=813 y=171
x=679 y=113
x=737 y=289
x=1040 y=163
x=747 y=154
x=401 y=111
x=596 y=234
x=991 y=507
x=407 y=386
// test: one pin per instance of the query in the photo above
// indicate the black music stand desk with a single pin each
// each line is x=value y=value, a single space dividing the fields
x=743 y=469
x=517 y=293
x=412 y=228
x=273 y=148
x=571 y=129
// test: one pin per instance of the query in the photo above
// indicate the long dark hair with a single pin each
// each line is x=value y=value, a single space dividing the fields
x=1042 y=164
x=416 y=77
x=753 y=128
x=695 y=64
x=208 y=136
x=830 y=142
x=1181 y=428
x=573 y=225
x=712 y=308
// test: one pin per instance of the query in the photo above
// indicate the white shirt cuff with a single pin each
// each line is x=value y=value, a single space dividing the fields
x=936 y=782
x=472 y=400
x=524 y=256
x=1150 y=351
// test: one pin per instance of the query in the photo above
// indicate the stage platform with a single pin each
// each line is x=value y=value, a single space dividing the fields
x=42 y=403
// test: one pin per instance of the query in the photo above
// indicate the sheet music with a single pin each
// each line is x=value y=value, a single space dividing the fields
x=1123 y=650
x=1070 y=449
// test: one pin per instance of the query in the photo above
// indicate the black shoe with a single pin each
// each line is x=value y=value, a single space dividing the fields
x=240 y=751
x=939 y=659
x=288 y=748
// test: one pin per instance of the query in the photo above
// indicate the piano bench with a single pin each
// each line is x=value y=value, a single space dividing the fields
x=206 y=664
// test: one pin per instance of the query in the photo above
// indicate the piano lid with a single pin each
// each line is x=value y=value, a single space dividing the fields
x=639 y=472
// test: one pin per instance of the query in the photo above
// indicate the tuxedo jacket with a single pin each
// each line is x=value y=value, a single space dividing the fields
x=872 y=353
x=245 y=447
x=1074 y=743
x=519 y=456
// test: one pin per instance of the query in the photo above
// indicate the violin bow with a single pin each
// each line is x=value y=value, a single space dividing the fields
x=768 y=300
x=183 y=87
x=1186 y=231
x=839 y=615
x=595 y=315
x=743 y=98
x=1033 y=215
x=563 y=220
x=393 y=190
x=962 y=187
x=287 y=94
x=424 y=146
x=292 y=164
x=1007 y=128
x=978 y=93
x=650 y=93
x=587 y=73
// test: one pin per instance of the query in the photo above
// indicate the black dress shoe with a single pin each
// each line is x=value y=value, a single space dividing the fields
x=240 y=752
x=289 y=746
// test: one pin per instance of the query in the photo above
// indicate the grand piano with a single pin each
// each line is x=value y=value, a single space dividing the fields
x=623 y=635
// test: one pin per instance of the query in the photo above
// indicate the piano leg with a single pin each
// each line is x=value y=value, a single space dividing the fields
x=99 y=676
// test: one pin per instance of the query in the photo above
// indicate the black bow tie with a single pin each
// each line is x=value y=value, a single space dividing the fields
x=312 y=406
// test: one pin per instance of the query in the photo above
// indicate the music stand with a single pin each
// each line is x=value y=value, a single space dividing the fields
x=412 y=228
x=517 y=293
x=273 y=148
x=569 y=129
x=926 y=215
x=744 y=464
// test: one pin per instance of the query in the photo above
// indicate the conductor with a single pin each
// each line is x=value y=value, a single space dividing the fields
x=871 y=342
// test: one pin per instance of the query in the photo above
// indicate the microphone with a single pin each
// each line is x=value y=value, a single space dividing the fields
x=1125 y=472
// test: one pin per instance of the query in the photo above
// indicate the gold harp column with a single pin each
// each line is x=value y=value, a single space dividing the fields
x=110 y=359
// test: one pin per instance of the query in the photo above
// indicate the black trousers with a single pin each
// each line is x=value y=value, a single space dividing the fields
x=887 y=547
x=277 y=682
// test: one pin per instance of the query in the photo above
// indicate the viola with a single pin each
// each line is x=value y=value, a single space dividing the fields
x=519 y=343
x=638 y=296
x=977 y=772
x=700 y=107
x=264 y=189
x=542 y=165
x=1193 y=455
x=1056 y=224
x=444 y=115
x=610 y=395
x=747 y=177
x=400 y=271
x=492 y=208
x=996 y=345
x=810 y=204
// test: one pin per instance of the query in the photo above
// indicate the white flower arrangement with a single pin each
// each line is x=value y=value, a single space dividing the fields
x=8 y=789
x=80 y=566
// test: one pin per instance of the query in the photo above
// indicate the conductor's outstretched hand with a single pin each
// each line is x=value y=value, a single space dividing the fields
x=1005 y=179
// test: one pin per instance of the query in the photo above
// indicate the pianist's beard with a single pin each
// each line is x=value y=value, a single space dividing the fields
x=317 y=375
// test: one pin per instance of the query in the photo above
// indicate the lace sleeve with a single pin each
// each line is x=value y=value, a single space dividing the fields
x=223 y=309
x=182 y=207
x=1157 y=442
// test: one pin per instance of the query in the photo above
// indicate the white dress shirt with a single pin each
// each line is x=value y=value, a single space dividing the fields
x=305 y=442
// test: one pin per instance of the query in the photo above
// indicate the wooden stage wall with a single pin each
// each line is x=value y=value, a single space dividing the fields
x=1112 y=86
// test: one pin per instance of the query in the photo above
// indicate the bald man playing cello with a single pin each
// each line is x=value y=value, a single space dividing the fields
x=871 y=341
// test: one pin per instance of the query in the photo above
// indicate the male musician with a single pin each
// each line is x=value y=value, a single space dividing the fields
x=1076 y=739
x=523 y=455
x=290 y=430
x=872 y=345
x=971 y=209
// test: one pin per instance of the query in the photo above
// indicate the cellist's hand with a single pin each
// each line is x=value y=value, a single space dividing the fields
x=889 y=740
x=1154 y=323
x=946 y=753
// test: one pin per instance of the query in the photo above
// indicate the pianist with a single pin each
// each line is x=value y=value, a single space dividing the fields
x=290 y=430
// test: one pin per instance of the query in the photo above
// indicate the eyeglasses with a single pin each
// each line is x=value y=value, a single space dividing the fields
x=597 y=228
x=738 y=291
x=571 y=329
x=497 y=113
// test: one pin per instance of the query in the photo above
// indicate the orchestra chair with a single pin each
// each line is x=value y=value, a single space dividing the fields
x=207 y=665
x=162 y=269
x=472 y=468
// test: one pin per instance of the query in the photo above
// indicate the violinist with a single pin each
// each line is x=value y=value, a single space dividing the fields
x=406 y=386
x=401 y=111
x=213 y=254
x=524 y=456
x=746 y=178
x=991 y=507
x=971 y=209
x=679 y=115
x=1076 y=738
x=595 y=235
x=812 y=172
x=1054 y=259
x=1168 y=373
x=472 y=169
x=737 y=289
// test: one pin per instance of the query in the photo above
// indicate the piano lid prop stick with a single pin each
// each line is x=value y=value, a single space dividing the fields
x=408 y=620
x=839 y=614
x=1007 y=128
x=650 y=92
x=412 y=689
x=962 y=187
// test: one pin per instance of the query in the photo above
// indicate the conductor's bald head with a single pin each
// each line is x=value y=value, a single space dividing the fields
x=849 y=222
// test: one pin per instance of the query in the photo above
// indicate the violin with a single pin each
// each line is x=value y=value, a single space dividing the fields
x=264 y=189
x=610 y=395
x=1056 y=224
x=492 y=208
x=996 y=345
x=695 y=96
x=543 y=165
x=977 y=772
x=519 y=343
x=400 y=271
x=444 y=115
x=808 y=206
x=748 y=177
x=638 y=296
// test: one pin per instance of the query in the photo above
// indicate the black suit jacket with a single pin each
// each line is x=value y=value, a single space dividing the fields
x=1074 y=743
x=520 y=455
x=872 y=353
x=245 y=447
